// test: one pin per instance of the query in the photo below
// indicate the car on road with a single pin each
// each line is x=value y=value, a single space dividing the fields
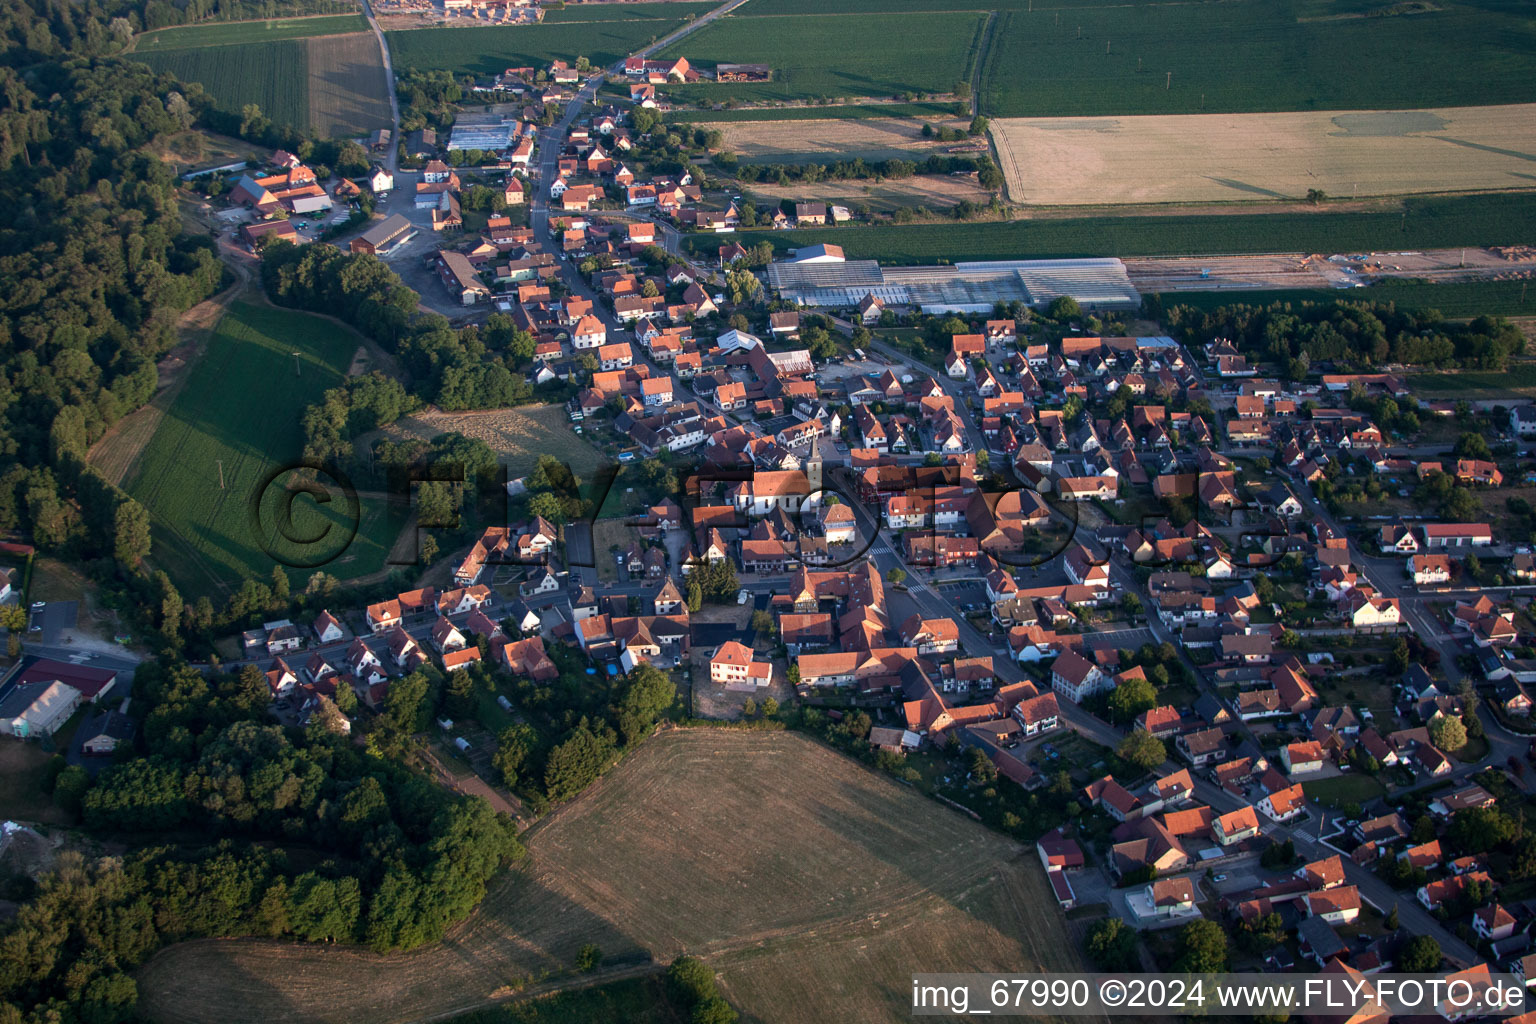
x=1219 y=878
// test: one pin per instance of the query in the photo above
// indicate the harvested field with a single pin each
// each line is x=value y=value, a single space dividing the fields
x=226 y=33
x=348 y=90
x=519 y=435
x=804 y=141
x=935 y=191
x=1226 y=157
x=812 y=883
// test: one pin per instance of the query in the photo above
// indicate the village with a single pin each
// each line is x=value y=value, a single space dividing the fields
x=1107 y=572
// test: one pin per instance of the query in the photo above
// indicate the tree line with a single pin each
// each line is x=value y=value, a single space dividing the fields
x=1350 y=335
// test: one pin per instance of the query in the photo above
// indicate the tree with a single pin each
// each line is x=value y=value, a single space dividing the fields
x=1202 y=948
x=1143 y=750
x=70 y=787
x=1472 y=445
x=978 y=126
x=1391 y=922
x=1448 y=733
x=512 y=747
x=762 y=621
x=770 y=708
x=1477 y=830
x=1062 y=308
x=1419 y=955
x=695 y=596
x=983 y=771
x=1131 y=698
x=1111 y=945
x=588 y=958
x=649 y=693
x=130 y=533
x=895 y=575
x=548 y=505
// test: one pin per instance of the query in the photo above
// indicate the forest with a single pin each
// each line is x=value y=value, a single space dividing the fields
x=275 y=833
x=1348 y=335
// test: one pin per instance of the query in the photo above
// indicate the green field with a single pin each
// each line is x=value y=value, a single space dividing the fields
x=1461 y=299
x=845 y=112
x=242 y=406
x=1429 y=222
x=670 y=10
x=834 y=55
x=1257 y=55
x=1519 y=380
x=230 y=32
x=491 y=50
x=273 y=75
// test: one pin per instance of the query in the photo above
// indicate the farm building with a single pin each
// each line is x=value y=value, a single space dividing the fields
x=743 y=72
x=964 y=287
x=460 y=279
x=385 y=235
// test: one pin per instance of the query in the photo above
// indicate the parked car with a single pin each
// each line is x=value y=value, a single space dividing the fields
x=744 y=596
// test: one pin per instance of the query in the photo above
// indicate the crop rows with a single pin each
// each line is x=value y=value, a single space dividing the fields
x=224 y=429
x=273 y=75
x=834 y=55
x=489 y=50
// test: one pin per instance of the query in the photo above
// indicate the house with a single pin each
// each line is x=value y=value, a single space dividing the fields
x=1340 y=905
x=1303 y=758
x=100 y=735
x=1076 y=678
x=1438 y=536
x=1493 y=923
x=1284 y=804
x=1235 y=826
x=1203 y=746
x=733 y=667
x=1429 y=570
x=383 y=616
x=328 y=628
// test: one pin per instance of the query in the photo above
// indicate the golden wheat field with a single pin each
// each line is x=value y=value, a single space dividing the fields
x=1055 y=161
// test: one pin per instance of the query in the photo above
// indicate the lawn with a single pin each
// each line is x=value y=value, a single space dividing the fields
x=1356 y=788
x=814 y=58
x=672 y=10
x=1255 y=55
x=273 y=75
x=802 y=877
x=1417 y=222
x=242 y=407
x=492 y=49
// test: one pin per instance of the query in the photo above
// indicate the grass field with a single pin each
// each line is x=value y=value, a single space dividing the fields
x=348 y=90
x=845 y=112
x=835 y=55
x=1358 y=788
x=491 y=49
x=242 y=406
x=670 y=10
x=229 y=32
x=1255 y=55
x=1225 y=157
x=880 y=138
x=1517 y=381
x=519 y=436
x=1464 y=299
x=273 y=75
x=1416 y=222
x=813 y=885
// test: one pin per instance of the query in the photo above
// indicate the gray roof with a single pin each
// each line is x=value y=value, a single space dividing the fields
x=964 y=286
x=22 y=697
